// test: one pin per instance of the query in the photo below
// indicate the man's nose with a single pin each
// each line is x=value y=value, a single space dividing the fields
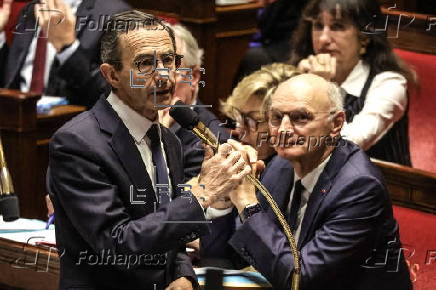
x=286 y=126
x=161 y=74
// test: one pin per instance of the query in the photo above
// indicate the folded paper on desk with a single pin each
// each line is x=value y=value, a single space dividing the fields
x=236 y=278
x=42 y=237
x=21 y=225
x=46 y=103
x=28 y=231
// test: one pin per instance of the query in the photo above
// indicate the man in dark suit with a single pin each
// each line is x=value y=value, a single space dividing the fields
x=115 y=174
x=57 y=52
x=334 y=200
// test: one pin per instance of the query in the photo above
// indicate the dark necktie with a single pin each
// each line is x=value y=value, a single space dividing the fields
x=295 y=205
x=162 y=181
x=38 y=70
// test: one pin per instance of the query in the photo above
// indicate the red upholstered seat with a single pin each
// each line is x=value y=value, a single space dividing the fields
x=422 y=110
x=418 y=235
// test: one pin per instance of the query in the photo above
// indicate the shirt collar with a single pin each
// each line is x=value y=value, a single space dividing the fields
x=74 y=4
x=135 y=123
x=356 y=79
x=309 y=181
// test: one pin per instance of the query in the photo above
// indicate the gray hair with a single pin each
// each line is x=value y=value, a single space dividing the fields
x=192 y=54
x=336 y=96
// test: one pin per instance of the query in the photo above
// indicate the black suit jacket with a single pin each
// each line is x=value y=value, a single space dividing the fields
x=349 y=238
x=104 y=206
x=193 y=152
x=80 y=75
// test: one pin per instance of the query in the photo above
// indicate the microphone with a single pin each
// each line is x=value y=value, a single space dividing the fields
x=189 y=119
x=9 y=207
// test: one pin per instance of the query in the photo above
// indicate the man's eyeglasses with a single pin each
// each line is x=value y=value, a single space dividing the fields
x=298 y=118
x=148 y=64
x=249 y=120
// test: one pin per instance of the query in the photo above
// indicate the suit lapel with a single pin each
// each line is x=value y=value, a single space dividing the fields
x=124 y=147
x=23 y=36
x=279 y=185
x=172 y=158
x=322 y=188
x=318 y=194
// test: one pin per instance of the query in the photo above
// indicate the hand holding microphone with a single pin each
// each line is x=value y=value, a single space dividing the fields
x=220 y=174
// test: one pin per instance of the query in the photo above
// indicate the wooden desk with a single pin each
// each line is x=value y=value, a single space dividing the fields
x=222 y=31
x=28 y=267
x=25 y=136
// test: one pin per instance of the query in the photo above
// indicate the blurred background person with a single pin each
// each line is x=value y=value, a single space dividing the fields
x=276 y=23
x=339 y=41
x=188 y=78
x=61 y=57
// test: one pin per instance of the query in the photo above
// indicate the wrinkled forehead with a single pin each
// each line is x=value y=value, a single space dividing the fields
x=147 y=41
x=304 y=92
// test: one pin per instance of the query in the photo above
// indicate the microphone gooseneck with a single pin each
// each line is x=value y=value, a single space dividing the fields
x=8 y=200
x=188 y=119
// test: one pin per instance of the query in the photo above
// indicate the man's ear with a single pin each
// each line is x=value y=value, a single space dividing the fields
x=110 y=74
x=196 y=76
x=338 y=123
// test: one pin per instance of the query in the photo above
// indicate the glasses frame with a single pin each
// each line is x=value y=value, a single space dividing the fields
x=244 y=116
x=177 y=63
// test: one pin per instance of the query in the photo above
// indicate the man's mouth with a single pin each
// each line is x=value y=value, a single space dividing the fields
x=160 y=93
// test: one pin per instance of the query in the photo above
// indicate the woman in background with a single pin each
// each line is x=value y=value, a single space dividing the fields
x=246 y=106
x=339 y=41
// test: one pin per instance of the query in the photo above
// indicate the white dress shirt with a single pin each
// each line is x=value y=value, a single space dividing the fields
x=309 y=181
x=26 y=70
x=385 y=104
x=138 y=127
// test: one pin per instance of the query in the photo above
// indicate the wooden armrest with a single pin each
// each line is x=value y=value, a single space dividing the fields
x=409 y=186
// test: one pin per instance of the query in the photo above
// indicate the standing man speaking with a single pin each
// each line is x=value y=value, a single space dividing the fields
x=122 y=217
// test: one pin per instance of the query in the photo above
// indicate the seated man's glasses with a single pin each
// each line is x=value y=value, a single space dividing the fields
x=298 y=118
x=147 y=64
x=249 y=120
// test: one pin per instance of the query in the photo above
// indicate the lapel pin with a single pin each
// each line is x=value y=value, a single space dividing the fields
x=323 y=191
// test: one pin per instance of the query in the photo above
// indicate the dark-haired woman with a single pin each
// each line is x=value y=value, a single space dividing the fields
x=339 y=41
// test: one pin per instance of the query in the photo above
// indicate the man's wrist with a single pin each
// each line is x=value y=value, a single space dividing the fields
x=241 y=205
x=249 y=211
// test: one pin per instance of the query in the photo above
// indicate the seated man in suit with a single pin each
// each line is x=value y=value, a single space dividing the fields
x=188 y=78
x=55 y=49
x=115 y=175
x=334 y=200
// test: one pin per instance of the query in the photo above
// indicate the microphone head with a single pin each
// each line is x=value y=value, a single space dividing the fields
x=186 y=117
x=9 y=207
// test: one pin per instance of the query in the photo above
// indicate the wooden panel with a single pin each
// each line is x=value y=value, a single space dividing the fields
x=22 y=130
x=411 y=31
